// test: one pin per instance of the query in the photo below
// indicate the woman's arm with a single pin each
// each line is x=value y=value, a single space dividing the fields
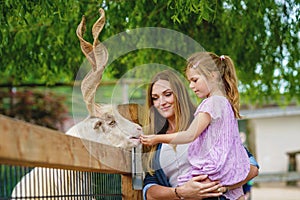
x=197 y=188
x=252 y=173
x=254 y=167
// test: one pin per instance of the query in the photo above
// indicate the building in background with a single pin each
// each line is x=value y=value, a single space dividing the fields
x=271 y=133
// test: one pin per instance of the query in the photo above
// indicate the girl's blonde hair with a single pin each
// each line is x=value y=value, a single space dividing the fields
x=157 y=124
x=206 y=63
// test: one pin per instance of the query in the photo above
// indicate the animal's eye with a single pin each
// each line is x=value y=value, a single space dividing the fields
x=112 y=123
x=97 y=124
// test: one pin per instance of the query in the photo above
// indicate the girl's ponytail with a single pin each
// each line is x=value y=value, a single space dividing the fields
x=230 y=81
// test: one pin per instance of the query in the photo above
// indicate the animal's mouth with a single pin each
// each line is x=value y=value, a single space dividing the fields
x=135 y=140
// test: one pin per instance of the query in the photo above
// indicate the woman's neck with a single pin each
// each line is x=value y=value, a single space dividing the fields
x=171 y=128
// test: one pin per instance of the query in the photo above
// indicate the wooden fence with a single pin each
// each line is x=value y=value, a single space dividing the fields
x=25 y=144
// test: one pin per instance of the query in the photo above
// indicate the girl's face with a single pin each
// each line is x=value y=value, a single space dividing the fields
x=163 y=98
x=198 y=83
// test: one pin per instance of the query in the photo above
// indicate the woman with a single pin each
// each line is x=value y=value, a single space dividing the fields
x=170 y=111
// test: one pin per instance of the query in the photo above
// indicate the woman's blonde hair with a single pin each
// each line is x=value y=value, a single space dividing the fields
x=157 y=124
x=206 y=63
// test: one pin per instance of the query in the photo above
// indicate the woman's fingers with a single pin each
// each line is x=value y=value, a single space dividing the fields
x=200 y=178
x=201 y=187
x=207 y=186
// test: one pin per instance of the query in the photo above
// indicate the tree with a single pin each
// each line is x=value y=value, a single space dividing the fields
x=39 y=45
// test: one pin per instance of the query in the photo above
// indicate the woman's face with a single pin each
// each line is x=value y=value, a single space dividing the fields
x=163 y=98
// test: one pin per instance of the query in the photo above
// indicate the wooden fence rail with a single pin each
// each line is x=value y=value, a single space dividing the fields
x=26 y=144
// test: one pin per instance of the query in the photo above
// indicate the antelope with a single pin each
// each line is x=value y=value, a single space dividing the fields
x=103 y=118
x=104 y=124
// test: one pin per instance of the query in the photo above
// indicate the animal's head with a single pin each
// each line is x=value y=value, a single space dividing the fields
x=110 y=128
x=104 y=124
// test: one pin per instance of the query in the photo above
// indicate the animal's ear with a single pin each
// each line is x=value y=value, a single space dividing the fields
x=97 y=124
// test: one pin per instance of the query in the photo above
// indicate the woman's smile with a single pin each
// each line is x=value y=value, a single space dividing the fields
x=165 y=108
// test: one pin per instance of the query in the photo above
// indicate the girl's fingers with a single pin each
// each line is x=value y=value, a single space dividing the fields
x=144 y=140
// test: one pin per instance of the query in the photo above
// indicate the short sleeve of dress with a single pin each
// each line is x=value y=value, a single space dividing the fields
x=212 y=106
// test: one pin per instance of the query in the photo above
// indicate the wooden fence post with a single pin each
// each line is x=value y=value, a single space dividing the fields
x=127 y=191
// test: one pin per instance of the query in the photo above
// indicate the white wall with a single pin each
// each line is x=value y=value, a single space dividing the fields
x=274 y=136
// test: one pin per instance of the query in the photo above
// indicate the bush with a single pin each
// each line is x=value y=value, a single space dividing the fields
x=42 y=108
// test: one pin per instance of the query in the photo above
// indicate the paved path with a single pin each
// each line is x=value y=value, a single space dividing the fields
x=275 y=193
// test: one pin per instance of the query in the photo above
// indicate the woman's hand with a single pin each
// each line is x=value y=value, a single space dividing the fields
x=148 y=140
x=200 y=187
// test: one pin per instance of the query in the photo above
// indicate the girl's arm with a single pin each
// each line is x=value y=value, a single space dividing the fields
x=198 y=125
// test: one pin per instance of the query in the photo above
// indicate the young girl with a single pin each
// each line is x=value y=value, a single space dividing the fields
x=216 y=148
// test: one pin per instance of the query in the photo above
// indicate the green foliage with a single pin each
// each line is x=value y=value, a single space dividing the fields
x=205 y=10
x=39 y=45
x=42 y=108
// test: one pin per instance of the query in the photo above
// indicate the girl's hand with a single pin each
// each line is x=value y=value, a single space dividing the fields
x=148 y=140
